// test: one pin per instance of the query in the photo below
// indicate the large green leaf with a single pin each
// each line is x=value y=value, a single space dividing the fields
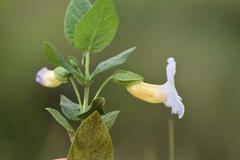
x=92 y=141
x=70 y=110
x=127 y=78
x=113 y=62
x=56 y=58
x=62 y=121
x=110 y=118
x=75 y=10
x=97 y=27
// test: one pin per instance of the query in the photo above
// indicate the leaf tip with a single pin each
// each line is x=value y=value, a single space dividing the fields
x=48 y=109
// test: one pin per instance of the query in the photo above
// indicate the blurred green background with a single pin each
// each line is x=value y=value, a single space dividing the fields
x=203 y=36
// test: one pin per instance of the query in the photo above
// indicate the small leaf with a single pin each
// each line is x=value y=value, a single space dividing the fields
x=97 y=105
x=127 y=78
x=113 y=62
x=92 y=141
x=70 y=110
x=52 y=54
x=75 y=10
x=78 y=75
x=110 y=118
x=62 y=121
x=97 y=28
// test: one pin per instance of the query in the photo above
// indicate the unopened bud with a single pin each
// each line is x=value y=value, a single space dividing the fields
x=73 y=61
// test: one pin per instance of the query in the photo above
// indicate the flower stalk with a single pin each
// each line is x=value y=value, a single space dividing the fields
x=171 y=139
x=77 y=93
x=102 y=86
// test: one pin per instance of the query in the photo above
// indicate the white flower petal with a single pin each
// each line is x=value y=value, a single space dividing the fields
x=173 y=99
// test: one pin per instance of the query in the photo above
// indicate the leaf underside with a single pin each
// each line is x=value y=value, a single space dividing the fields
x=92 y=141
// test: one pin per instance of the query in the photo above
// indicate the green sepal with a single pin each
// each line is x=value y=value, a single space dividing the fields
x=97 y=28
x=112 y=62
x=56 y=58
x=75 y=10
x=127 y=78
x=110 y=118
x=97 y=105
x=70 y=109
x=92 y=141
x=73 y=62
x=62 y=74
x=62 y=121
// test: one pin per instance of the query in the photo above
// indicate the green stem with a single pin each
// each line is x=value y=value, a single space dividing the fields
x=87 y=76
x=87 y=63
x=171 y=139
x=86 y=98
x=76 y=92
x=102 y=86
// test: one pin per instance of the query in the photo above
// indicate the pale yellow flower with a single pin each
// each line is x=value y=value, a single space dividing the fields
x=48 y=78
x=165 y=93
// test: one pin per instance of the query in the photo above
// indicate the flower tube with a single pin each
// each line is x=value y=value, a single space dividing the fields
x=165 y=93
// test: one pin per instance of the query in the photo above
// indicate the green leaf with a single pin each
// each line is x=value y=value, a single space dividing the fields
x=110 y=118
x=62 y=121
x=113 y=62
x=70 y=110
x=97 y=105
x=75 y=10
x=127 y=78
x=52 y=54
x=97 y=28
x=55 y=57
x=92 y=141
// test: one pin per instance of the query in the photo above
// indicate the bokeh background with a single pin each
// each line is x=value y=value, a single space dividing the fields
x=203 y=36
